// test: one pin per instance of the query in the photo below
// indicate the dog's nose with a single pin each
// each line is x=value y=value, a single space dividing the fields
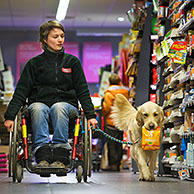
x=151 y=125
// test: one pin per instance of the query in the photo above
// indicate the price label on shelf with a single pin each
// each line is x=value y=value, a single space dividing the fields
x=183 y=174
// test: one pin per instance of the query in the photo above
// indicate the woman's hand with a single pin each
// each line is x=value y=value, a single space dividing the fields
x=9 y=124
x=92 y=122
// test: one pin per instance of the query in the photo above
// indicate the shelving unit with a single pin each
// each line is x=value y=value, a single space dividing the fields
x=173 y=81
x=138 y=65
x=174 y=89
x=133 y=62
x=143 y=76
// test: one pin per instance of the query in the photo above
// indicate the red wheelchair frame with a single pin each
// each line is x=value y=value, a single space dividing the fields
x=20 y=154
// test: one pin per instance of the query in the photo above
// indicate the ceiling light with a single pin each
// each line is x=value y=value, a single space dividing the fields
x=62 y=9
x=120 y=19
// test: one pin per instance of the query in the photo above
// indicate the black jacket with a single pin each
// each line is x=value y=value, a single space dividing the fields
x=50 y=78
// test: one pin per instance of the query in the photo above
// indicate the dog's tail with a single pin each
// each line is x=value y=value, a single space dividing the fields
x=122 y=112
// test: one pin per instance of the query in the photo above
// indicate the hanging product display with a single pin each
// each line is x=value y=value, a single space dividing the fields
x=178 y=52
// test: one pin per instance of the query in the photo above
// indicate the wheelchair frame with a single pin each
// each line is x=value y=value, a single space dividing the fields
x=19 y=154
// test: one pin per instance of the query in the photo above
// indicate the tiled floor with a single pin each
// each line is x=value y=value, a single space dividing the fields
x=100 y=183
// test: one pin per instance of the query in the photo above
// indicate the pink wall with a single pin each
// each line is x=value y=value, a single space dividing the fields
x=25 y=51
x=95 y=55
x=72 y=48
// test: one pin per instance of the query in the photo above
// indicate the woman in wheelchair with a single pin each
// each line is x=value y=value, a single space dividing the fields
x=52 y=83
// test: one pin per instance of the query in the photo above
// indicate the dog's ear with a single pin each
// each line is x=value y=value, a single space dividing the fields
x=139 y=117
x=122 y=112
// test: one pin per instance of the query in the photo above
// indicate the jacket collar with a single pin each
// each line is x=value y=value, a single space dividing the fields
x=49 y=53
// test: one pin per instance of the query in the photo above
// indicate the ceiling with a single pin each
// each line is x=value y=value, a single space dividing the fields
x=82 y=15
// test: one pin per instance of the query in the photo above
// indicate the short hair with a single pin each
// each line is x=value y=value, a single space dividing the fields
x=45 y=29
x=114 y=79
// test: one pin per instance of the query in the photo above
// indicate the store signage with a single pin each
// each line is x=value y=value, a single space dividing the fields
x=95 y=55
x=1 y=61
x=104 y=84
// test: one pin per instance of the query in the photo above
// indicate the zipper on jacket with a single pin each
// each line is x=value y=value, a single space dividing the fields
x=56 y=80
x=56 y=72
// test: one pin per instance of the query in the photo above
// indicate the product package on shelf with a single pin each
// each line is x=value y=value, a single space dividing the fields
x=190 y=41
x=190 y=154
x=166 y=44
x=178 y=52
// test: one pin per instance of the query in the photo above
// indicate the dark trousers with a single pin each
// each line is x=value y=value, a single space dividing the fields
x=115 y=150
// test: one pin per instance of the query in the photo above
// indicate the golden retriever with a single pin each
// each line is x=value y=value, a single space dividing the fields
x=148 y=115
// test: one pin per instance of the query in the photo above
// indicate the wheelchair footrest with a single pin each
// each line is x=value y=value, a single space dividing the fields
x=46 y=172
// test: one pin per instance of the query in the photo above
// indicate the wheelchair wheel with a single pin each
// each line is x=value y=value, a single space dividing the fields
x=19 y=172
x=13 y=153
x=90 y=153
x=87 y=154
x=85 y=158
x=10 y=155
x=79 y=173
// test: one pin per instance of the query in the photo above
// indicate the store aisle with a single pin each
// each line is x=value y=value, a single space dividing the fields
x=124 y=182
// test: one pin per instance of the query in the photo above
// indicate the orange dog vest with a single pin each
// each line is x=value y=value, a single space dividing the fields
x=150 y=139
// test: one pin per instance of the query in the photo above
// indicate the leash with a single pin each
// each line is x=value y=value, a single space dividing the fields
x=113 y=138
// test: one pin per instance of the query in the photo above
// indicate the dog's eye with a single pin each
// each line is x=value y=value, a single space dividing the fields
x=145 y=114
x=155 y=114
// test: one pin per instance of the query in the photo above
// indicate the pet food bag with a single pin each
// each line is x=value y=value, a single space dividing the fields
x=150 y=139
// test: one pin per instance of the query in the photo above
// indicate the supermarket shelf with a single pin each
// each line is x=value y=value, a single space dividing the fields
x=187 y=4
x=188 y=135
x=177 y=167
x=188 y=26
x=171 y=4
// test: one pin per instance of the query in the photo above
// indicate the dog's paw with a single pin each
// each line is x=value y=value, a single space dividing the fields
x=147 y=178
x=141 y=179
x=152 y=178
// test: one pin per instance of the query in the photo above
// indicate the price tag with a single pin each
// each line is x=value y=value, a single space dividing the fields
x=183 y=174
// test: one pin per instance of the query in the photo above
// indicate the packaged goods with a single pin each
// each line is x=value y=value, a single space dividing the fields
x=150 y=139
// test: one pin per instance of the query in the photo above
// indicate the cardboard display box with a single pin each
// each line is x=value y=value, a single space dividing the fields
x=4 y=149
x=3 y=108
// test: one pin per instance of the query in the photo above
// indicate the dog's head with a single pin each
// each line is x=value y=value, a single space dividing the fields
x=150 y=115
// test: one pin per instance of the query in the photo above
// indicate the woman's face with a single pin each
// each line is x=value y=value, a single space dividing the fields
x=55 y=39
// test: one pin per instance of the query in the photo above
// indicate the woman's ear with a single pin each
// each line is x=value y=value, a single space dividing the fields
x=45 y=41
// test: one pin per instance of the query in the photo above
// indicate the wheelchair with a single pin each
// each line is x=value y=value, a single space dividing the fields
x=21 y=157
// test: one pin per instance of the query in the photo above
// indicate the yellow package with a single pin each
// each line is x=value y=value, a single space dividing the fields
x=150 y=139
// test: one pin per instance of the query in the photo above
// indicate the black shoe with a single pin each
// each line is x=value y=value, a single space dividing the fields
x=44 y=153
x=61 y=155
